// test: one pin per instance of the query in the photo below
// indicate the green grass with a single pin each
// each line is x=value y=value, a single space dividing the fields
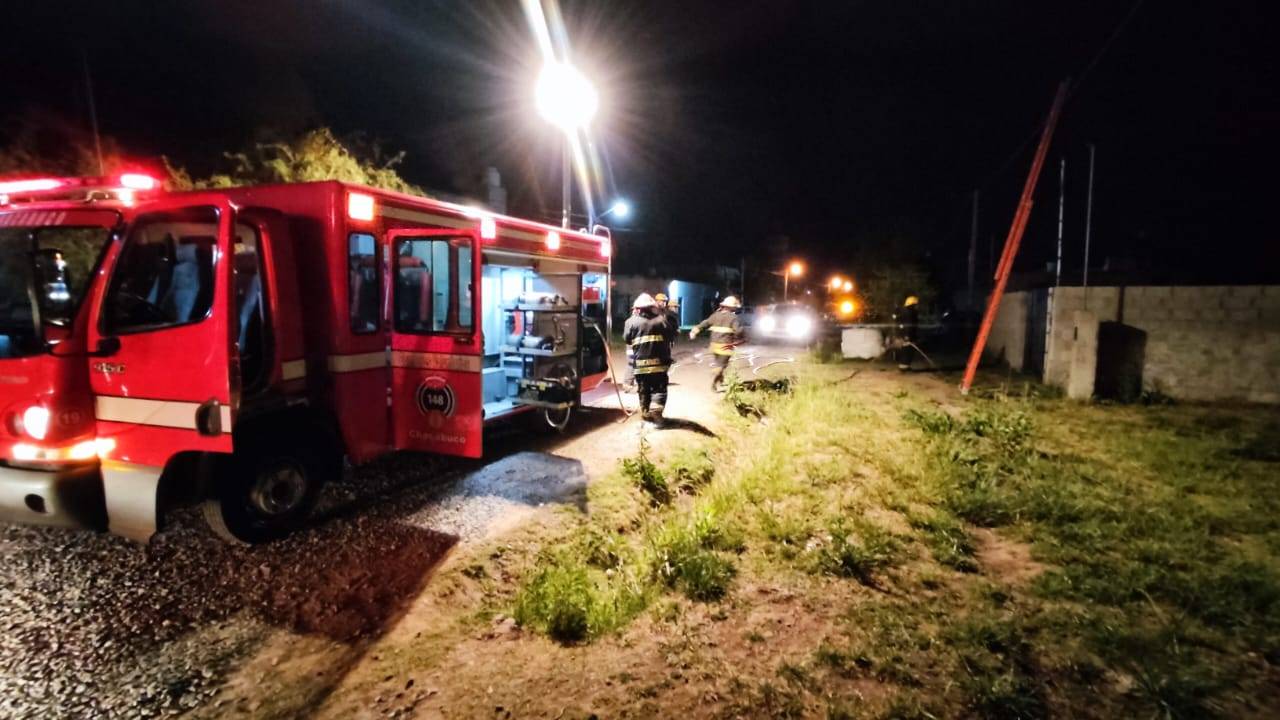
x=647 y=476
x=571 y=603
x=854 y=549
x=948 y=541
x=688 y=555
x=1157 y=528
x=1147 y=514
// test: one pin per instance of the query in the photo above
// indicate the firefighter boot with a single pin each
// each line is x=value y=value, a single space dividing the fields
x=646 y=398
x=717 y=382
x=658 y=403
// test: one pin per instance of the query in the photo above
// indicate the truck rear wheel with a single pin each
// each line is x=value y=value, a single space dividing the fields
x=263 y=494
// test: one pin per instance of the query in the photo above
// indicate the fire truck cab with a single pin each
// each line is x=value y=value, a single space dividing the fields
x=234 y=347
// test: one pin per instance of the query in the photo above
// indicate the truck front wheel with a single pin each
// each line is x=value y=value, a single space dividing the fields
x=264 y=494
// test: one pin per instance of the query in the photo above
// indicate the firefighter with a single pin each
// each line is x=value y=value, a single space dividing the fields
x=649 y=335
x=726 y=334
x=908 y=322
x=629 y=380
x=671 y=309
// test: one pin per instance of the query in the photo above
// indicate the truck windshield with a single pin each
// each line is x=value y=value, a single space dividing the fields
x=44 y=273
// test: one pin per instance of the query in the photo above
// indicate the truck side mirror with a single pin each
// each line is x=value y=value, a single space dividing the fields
x=107 y=347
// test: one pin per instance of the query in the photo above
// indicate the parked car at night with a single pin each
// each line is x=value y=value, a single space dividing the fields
x=785 y=323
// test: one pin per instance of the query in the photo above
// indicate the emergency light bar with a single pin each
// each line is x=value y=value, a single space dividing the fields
x=14 y=187
x=121 y=187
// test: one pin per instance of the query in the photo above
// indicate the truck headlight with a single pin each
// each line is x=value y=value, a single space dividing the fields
x=35 y=421
x=799 y=326
x=768 y=323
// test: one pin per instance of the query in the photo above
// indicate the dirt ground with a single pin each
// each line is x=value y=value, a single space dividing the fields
x=397 y=602
x=490 y=666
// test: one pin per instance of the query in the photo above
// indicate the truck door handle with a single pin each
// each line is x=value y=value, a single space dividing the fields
x=209 y=418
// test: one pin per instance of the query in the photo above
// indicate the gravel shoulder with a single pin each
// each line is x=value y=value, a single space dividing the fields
x=96 y=626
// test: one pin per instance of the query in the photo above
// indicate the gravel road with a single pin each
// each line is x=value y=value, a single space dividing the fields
x=97 y=626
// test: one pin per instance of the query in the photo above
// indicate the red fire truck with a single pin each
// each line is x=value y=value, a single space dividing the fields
x=233 y=347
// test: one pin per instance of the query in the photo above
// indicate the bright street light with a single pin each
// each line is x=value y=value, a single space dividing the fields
x=836 y=282
x=566 y=98
x=621 y=208
x=795 y=268
x=848 y=286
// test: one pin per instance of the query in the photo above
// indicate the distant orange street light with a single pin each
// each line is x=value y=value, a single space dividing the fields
x=795 y=268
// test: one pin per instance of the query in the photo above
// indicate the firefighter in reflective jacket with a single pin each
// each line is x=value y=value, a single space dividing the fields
x=726 y=334
x=649 y=335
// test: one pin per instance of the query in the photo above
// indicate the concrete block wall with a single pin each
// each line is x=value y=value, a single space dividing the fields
x=1203 y=342
x=1007 y=342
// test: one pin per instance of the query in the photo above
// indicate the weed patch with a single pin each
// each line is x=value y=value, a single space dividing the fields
x=853 y=549
x=647 y=476
x=947 y=540
x=688 y=556
x=565 y=601
x=690 y=470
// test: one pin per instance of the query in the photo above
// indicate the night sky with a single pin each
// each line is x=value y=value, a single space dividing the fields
x=841 y=126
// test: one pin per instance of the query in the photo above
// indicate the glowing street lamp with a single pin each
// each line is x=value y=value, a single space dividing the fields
x=566 y=99
x=621 y=208
x=796 y=268
x=848 y=286
x=836 y=282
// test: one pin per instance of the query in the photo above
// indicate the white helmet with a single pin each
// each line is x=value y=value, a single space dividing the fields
x=645 y=300
x=730 y=302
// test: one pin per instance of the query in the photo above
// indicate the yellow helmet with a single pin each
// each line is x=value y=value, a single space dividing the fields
x=660 y=298
x=730 y=302
x=911 y=300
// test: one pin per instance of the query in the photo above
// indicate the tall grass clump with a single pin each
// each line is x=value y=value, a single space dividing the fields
x=689 y=554
x=571 y=603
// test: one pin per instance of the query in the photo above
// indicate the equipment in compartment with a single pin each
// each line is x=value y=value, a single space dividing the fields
x=533 y=334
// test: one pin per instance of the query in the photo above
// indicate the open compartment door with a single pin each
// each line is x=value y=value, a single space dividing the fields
x=547 y=338
x=436 y=353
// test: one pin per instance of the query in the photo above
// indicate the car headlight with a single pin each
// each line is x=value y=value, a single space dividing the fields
x=35 y=421
x=768 y=323
x=798 y=326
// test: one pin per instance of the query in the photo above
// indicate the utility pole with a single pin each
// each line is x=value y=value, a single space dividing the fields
x=973 y=246
x=93 y=112
x=1088 y=226
x=566 y=170
x=1057 y=266
x=1062 y=201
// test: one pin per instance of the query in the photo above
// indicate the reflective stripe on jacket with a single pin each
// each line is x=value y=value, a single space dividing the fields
x=649 y=337
x=726 y=331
